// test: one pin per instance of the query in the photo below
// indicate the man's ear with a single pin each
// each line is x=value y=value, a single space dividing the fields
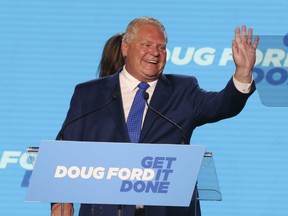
x=124 y=47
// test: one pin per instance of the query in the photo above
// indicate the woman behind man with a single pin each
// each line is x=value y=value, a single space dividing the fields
x=112 y=59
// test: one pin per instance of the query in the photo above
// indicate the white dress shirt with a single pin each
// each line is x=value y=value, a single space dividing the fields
x=128 y=86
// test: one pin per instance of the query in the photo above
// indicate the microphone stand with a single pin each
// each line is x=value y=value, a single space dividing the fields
x=60 y=133
x=183 y=138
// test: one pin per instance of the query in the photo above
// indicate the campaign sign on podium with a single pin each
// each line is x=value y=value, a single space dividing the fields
x=115 y=173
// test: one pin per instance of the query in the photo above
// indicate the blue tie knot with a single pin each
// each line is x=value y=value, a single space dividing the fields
x=143 y=85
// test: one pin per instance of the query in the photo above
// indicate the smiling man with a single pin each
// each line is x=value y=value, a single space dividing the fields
x=125 y=117
x=145 y=50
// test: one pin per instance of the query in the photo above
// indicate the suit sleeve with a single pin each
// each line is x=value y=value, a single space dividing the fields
x=214 y=106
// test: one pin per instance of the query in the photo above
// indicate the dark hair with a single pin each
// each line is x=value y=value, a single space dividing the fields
x=112 y=59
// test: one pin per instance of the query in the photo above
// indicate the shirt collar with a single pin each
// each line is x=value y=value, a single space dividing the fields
x=131 y=82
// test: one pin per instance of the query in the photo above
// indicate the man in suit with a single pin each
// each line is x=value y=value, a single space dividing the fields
x=179 y=98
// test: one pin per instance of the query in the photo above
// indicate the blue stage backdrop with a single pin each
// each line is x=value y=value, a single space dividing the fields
x=47 y=47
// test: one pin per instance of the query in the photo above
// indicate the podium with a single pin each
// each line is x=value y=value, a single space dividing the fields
x=163 y=172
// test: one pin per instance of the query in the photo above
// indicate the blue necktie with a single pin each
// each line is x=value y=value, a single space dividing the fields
x=134 y=121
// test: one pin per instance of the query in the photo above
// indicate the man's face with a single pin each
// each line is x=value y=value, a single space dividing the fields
x=146 y=54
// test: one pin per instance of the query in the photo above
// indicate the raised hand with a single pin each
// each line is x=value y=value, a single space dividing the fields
x=244 y=54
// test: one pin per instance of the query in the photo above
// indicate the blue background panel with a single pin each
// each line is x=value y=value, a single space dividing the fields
x=47 y=47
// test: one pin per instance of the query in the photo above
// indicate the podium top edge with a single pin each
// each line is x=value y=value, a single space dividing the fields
x=32 y=149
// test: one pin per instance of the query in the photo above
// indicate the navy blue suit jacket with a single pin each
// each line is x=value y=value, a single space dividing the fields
x=177 y=97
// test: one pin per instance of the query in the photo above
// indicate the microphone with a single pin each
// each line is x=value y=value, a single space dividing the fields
x=183 y=138
x=60 y=134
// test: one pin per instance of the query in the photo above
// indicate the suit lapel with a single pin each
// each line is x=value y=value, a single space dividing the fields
x=161 y=94
x=116 y=111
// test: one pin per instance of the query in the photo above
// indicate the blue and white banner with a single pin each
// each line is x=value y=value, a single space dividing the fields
x=115 y=173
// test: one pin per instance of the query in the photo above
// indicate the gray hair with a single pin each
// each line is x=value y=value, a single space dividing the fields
x=133 y=26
